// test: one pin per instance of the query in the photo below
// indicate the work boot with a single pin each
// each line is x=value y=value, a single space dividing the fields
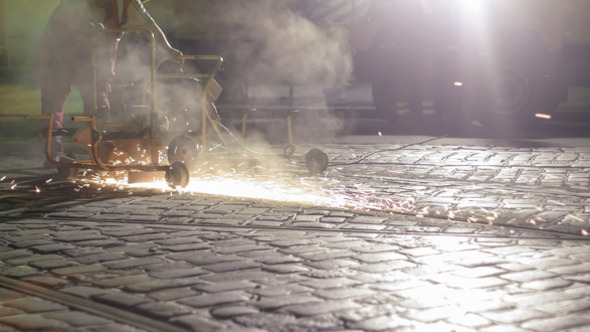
x=48 y=165
x=56 y=148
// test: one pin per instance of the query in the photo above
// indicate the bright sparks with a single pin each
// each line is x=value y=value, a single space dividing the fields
x=543 y=116
x=305 y=190
x=284 y=182
x=279 y=186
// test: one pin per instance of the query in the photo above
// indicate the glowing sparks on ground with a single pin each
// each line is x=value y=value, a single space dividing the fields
x=279 y=186
x=451 y=215
x=288 y=183
x=281 y=189
x=575 y=218
x=288 y=186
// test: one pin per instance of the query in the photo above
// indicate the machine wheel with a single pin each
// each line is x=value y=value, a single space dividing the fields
x=511 y=94
x=183 y=149
x=316 y=161
x=506 y=92
x=289 y=150
x=67 y=172
x=177 y=175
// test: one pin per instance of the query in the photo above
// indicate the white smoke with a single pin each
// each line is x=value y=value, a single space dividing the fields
x=273 y=44
x=270 y=45
x=177 y=97
x=265 y=43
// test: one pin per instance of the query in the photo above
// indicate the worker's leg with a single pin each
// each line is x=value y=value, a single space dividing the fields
x=94 y=94
x=93 y=78
x=55 y=90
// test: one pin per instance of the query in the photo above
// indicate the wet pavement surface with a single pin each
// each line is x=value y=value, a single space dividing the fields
x=400 y=237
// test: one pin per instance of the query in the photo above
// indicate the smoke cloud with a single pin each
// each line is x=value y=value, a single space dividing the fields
x=269 y=44
x=274 y=44
x=178 y=98
x=269 y=47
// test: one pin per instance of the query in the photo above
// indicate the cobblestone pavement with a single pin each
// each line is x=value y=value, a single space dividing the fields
x=454 y=239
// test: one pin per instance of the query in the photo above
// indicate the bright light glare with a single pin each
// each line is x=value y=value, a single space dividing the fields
x=543 y=116
x=458 y=83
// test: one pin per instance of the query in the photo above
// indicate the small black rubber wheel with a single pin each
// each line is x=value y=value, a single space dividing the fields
x=289 y=150
x=177 y=175
x=316 y=161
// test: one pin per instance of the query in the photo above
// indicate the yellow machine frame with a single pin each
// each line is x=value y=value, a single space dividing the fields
x=211 y=91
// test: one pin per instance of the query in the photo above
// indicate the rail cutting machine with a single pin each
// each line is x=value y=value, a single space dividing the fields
x=148 y=140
